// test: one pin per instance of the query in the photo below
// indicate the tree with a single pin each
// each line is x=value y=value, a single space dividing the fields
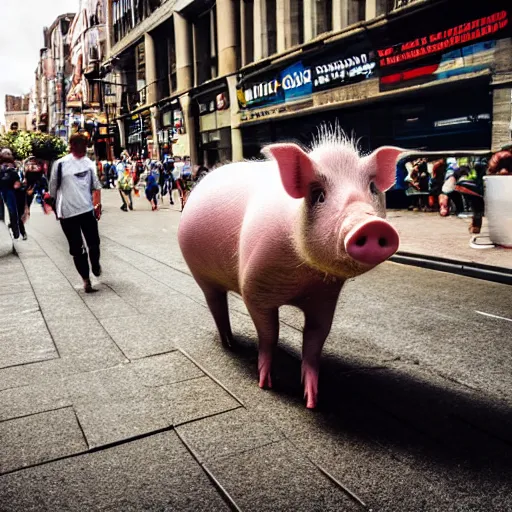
x=40 y=145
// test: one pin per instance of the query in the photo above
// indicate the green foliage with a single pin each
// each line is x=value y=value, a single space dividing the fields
x=38 y=144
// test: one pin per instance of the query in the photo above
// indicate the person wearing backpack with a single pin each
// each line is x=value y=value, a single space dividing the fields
x=125 y=184
x=9 y=183
x=76 y=191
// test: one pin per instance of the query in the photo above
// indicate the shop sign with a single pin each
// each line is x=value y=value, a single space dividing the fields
x=470 y=59
x=342 y=71
x=290 y=84
x=441 y=41
x=313 y=74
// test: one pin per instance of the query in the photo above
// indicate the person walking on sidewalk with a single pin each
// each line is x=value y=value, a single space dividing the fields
x=125 y=184
x=76 y=189
x=9 y=183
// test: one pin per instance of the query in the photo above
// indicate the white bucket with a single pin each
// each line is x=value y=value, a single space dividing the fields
x=498 y=209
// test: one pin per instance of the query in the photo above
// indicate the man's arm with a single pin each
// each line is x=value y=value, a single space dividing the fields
x=96 y=194
x=53 y=180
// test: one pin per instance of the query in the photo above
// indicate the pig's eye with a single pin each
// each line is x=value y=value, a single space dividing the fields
x=373 y=188
x=317 y=195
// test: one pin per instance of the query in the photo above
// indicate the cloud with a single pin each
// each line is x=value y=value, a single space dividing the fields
x=21 y=38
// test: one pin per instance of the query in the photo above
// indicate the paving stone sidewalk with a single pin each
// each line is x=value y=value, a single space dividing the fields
x=125 y=400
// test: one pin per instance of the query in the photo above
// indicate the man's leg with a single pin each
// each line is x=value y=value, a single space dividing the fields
x=10 y=199
x=71 y=228
x=89 y=227
x=125 y=206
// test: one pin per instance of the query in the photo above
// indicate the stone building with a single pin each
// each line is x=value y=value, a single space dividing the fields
x=52 y=77
x=216 y=80
x=17 y=113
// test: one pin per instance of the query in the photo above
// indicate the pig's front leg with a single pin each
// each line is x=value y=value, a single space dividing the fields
x=319 y=314
x=266 y=322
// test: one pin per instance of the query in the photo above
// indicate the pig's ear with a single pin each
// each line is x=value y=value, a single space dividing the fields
x=295 y=166
x=382 y=162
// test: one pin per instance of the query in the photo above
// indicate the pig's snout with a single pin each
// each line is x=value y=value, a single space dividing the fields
x=372 y=242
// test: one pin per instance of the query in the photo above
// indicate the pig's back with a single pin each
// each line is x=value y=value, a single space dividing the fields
x=211 y=223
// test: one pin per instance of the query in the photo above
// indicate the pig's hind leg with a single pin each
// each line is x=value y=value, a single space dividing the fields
x=319 y=314
x=217 y=301
x=266 y=322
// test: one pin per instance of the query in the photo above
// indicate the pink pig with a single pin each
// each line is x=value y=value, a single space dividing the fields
x=289 y=231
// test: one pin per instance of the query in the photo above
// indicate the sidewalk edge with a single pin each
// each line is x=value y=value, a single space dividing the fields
x=475 y=270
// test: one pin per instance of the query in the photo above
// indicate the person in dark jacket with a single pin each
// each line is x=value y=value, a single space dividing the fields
x=9 y=183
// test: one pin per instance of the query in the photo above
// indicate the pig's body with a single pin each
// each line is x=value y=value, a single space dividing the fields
x=262 y=229
x=242 y=242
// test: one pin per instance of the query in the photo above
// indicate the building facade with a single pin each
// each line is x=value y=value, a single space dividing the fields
x=17 y=113
x=216 y=80
x=52 y=78
x=84 y=101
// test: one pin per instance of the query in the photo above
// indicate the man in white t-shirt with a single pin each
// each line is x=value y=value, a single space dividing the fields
x=77 y=192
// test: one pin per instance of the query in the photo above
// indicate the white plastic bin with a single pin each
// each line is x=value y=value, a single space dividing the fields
x=498 y=209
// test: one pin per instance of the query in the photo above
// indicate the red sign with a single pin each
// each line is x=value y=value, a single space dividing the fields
x=441 y=41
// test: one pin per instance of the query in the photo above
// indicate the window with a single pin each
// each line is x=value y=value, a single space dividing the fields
x=323 y=16
x=248 y=28
x=270 y=11
x=356 y=11
x=297 y=21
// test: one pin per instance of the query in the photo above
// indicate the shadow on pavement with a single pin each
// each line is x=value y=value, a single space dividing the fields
x=422 y=419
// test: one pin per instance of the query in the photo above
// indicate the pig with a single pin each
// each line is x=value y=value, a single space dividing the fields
x=289 y=231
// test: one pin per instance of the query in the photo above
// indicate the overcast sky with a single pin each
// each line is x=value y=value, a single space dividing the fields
x=21 y=37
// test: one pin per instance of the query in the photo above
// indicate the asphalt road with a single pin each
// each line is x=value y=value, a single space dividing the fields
x=416 y=379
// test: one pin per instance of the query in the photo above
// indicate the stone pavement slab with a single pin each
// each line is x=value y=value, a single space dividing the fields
x=152 y=474
x=24 y=338
x=228 y=433
x=165 y=369
x=195 y=399
x=430 y=234
x=138 y=336
x=39 y=438
x=6 y=245
x=276 y=477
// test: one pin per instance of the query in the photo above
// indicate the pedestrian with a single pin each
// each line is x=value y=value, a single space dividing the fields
x=76 y=190
x=125 y=184
x=9 y=183
x=21 y=204
x=152 y=190
x=35 y=180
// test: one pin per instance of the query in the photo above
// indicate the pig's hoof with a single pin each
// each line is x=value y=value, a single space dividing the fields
x=228 y=342
x=311 y=403
x=265 y=380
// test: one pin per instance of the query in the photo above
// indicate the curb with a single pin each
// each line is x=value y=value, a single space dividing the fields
x=475 y=270
x=6 y=243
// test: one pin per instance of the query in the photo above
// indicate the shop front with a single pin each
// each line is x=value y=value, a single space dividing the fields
x=213 y=124
x=394 y=84
x=271 y=100
x=138 y=134
x=172 y=136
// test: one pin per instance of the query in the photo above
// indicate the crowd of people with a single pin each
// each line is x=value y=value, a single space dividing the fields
x=20 y=184
x=451 y=184
x=160 y=178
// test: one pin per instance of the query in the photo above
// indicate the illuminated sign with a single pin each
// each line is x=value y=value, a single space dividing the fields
x=444 y=40
x=342 y=71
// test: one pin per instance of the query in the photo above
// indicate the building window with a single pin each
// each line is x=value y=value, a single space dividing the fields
x=356 y=11
x=171 y=52
x=127 y=14
x=297 y=21
x=205 y=46
x=270 y=11
x=214 y=61
x=247 y=24
x=323 y=16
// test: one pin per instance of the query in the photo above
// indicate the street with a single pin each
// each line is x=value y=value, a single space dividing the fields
x=125 y=399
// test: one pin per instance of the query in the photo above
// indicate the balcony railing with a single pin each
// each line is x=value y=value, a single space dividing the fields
x=126 y=19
